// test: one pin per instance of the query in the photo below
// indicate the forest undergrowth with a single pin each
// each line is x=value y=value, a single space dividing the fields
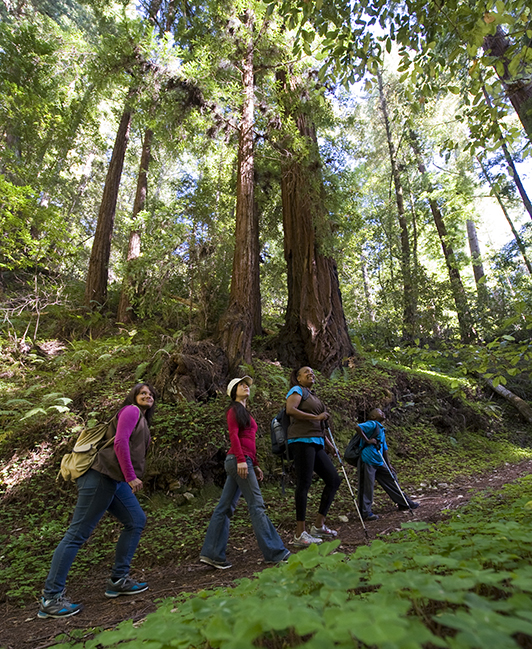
x=460 y=584
x=440 y=426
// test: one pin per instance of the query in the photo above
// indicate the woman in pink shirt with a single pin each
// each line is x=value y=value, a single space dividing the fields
x=109 y=485
x=242 y=472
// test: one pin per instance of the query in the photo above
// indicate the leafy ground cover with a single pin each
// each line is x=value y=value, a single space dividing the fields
x=465 y=582
x=440 y=436
x=434 y=435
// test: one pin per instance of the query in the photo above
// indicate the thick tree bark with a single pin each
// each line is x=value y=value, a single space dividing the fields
x=315 y=330
x=510 y=162
x=96 y=286
x=465 y=322
x=518 y=89
x=476 y=259
x=238 y=323
x=133 y=251
x=409 y=292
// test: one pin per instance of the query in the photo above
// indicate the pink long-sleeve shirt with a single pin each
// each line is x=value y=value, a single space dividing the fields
x=127 y=420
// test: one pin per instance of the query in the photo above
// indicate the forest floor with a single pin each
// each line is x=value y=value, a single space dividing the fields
x=21 y=629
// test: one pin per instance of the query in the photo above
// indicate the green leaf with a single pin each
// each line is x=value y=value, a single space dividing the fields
x=32 y=413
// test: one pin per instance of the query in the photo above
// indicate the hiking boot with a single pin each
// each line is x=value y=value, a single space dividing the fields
x=221 y=565
x=323 y=532
x=370 y=517
x=404 y=508
x=125 y=586
x=58 y=606
x=305 y=539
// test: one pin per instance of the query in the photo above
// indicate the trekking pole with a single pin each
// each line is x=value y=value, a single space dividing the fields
x=395 y=480
x=347 y=480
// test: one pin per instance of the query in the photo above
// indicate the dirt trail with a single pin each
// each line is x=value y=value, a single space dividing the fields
x=20 y=628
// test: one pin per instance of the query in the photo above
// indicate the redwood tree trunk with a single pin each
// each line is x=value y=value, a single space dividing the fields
x=409 y=292
x=518 y=89
x=236 y=326
x=315 y=330
x=96 y=286
x=133 y=251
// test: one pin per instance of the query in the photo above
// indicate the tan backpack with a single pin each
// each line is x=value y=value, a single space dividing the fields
x=90 y=441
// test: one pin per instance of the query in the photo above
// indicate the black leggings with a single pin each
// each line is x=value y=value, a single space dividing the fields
x=310 y=457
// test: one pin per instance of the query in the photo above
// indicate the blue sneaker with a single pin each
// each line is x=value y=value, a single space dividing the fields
x=125 y=586
x=58 y=606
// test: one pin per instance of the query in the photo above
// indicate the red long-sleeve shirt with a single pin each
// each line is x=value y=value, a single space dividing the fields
x=242 y=441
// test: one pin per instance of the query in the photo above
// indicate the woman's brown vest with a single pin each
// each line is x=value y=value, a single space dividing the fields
x=307 y=427
x=106 y=461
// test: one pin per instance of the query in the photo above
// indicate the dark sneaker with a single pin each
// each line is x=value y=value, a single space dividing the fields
x=283 y=560
x=404 y=508
x=221 y=565
x=371 y=517
x=58 y=606
x=125 y=586
x=323 y=532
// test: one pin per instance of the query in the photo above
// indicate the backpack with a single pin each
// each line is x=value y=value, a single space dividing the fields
x=279 y=429
x=90 y=441
x=353 y=450
x=279 y=432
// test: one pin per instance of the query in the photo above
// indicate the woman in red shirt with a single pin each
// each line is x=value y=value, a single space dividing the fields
x=242 y=472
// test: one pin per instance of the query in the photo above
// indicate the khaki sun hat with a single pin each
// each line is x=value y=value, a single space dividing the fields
x=246 y=379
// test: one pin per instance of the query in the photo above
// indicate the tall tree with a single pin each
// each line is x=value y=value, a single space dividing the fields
x=465 y=321
x=478 y=266
x=96 y=284
x=315 y=330
x=520 y=243
x=238 y=324
x=133 y=250
x=409 y=293
x=514 y=174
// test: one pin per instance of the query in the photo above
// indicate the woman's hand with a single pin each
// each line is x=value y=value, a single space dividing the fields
x=260 y=474
x=322 y=416
x=242 y=470
x=136 y=485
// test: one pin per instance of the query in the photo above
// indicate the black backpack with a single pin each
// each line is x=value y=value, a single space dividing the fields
x=279 y=431
x=353 y=450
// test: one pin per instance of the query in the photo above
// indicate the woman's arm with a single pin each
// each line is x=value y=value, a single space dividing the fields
x=232 y=425
x=128 y=418
x=292 y=409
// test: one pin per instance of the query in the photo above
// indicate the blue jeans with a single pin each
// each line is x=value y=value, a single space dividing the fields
x=97 y=493
x=217 y=536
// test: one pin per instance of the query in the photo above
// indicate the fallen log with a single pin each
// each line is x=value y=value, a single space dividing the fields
x=522 y=406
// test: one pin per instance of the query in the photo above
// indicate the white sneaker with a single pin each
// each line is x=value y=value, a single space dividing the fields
x=323 y=532
x=305 y=539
